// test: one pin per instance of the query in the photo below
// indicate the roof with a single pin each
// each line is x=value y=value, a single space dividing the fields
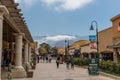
x=115 y=17
x=113 y=46
x=16 y=17
x=105 y=29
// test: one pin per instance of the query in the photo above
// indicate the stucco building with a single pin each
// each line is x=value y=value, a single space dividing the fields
x=109 y=41
x=115 y=38
x=105 y=39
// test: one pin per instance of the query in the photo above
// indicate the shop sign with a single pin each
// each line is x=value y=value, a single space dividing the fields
x=92 y=38
x=93 y=68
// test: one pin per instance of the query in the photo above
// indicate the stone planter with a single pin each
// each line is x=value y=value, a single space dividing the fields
x=29 y=74
x=33 y=66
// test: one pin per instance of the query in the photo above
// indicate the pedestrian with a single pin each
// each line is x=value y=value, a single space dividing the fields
x=38 y=58
x=46 y=59
x=58 y=61
x=43 y=57
x=50 y=58
x=67 y=62
x=72 y=62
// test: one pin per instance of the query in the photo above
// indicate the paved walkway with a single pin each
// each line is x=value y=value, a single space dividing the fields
x=48 y=71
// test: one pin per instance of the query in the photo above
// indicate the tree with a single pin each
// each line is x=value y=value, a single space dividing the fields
x=54 y=51
x=44 y=48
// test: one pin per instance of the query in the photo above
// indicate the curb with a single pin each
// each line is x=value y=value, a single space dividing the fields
x=101 y=73
x=109 y=75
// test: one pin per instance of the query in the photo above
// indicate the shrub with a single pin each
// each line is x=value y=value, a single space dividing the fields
x=81 y=61
x=110 y=66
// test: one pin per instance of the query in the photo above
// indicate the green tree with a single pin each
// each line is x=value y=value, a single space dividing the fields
x=44 y=48
x=54 y=51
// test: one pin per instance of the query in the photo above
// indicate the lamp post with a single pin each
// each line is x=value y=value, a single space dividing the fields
x=92 y=28
x=94 y=61
x=66 y=47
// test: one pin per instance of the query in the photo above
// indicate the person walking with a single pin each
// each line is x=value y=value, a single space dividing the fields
x=72 y=62
x=38 y=58
x=58 y=61
x=46 y=58
x=67 y=62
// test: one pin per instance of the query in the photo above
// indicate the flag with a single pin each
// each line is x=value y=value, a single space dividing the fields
x=92 y=45
x=119 y=27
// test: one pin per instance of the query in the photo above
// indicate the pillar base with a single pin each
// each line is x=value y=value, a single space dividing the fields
x=19 y=72
x=27 y=65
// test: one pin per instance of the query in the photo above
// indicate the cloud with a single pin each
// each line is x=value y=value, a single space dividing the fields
x=66 y=4
x=53 y=40
x=60 y=38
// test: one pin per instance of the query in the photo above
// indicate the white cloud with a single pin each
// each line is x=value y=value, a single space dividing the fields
x=58 y=5
x=52 y=40
x=60 y=38
x=66 y=4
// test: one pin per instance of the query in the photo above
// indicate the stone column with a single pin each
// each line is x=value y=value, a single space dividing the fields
x=18 y=57
x=1 y=32
x=115 y=56
x=3 y=10
x=100 y=56
x=29 y=53
x=89 y=55
x=26 y=52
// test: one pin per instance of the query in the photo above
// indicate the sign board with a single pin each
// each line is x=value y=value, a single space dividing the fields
x=92 y=38
x=93 y=68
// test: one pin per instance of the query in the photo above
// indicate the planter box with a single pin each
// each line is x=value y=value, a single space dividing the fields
x=33 y=67
x=29 y=74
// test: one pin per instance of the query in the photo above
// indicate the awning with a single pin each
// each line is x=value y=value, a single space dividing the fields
x=113 y=46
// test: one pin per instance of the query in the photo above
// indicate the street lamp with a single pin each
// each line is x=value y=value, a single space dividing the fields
x=92 y=28
x=94 y=63
x=66 y=47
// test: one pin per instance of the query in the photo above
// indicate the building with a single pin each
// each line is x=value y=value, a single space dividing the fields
x=76 y=47
x=105 y=39
x=115 y=38
x=15 y=38
x=109 y=41
x=87 y=51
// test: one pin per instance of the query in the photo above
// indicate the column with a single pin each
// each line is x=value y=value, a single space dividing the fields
x=18 y=57
x=18 y=50
x=29 y=56
x=3 y=10
x=26 y=52
x=89 y=55
x=29 y=53
x=115 y=56
x=1 y=32
x=100 y=56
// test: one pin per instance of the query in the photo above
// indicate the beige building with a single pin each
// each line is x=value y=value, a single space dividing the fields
x=109 y=41
x=115 y=38
x=15 y=38
x=105 y=39
x=87 y=52
x=77 y=46
x=61 y=50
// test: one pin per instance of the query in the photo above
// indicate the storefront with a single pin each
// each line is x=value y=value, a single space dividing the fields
x=115 y=38
x=14 y=36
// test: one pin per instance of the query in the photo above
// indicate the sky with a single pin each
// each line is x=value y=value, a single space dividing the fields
x=55 y=20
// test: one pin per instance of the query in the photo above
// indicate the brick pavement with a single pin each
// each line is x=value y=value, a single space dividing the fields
x=48 y=71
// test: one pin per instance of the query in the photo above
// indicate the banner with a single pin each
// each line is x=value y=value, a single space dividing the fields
x=92 y=38
x=119 y=27
x=93 y=45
